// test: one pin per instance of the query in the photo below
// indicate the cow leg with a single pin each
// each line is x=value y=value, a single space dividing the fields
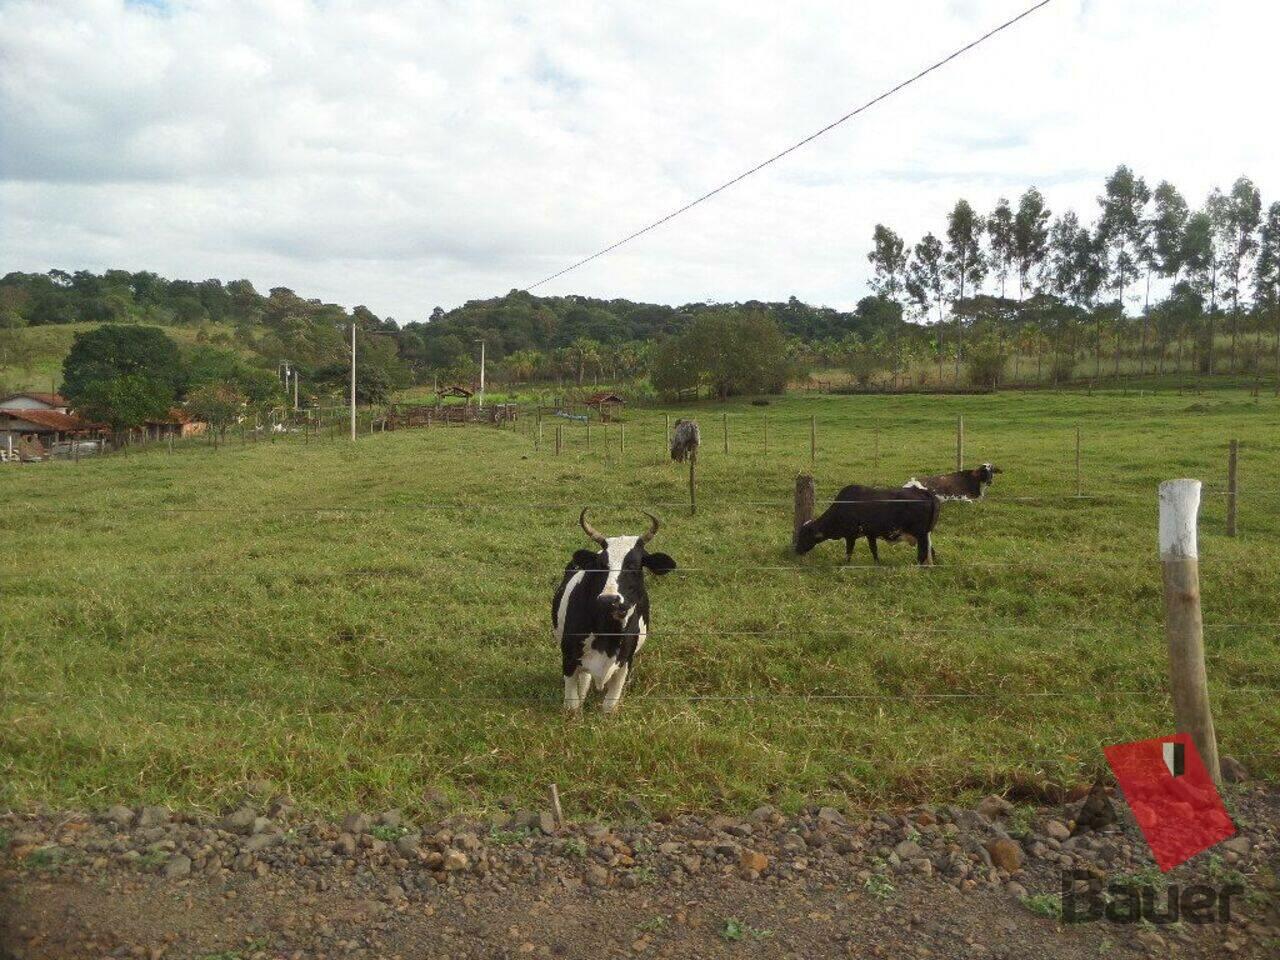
x=924 y=549
x=875 y=552
x=613 y=689
x=848 y=548
x=575 y=690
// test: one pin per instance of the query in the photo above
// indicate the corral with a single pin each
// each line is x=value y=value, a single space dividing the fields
x=369 y=624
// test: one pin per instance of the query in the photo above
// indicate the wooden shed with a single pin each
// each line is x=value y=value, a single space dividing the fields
x=607 y=405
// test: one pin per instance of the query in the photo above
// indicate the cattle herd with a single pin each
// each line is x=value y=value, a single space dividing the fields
x=600 y=611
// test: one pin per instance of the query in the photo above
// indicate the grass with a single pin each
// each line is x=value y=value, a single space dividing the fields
x=1048 y=905
x=177 y=625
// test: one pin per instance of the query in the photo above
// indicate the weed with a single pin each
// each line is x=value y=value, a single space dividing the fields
x=735 y=930
x=508 y=838
x=575 y=847
x=388 y=834
x=654 y=924
x=644 y=875
x=879 y=886
x=1044 y=905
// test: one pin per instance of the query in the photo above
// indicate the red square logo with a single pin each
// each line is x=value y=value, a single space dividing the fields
x=1171 y=796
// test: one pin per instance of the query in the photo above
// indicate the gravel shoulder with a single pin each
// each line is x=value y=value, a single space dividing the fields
x=264 y=881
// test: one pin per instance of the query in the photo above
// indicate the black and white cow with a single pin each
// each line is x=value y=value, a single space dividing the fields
x=600 y=613
x=959 y=485
x=904 y=513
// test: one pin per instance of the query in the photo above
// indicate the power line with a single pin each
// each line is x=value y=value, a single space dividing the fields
x=796 y=146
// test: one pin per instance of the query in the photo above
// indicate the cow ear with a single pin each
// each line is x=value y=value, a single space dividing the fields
x=585 y=559
x=658 y=563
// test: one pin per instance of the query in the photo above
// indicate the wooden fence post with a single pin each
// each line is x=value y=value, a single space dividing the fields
x=1183 y=627
x=1232 y=487
x=813 y=440
x=875 y=456
x=588 y=431
x=559 y=437
x=806 y=494
x=960 y=442
x=766 y=435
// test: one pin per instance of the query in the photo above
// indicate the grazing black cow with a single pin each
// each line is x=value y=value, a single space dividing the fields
x=600 y=613
x=960 y=485
x=894 y=514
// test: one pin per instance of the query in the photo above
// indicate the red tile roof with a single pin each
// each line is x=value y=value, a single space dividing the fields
x=52 y=399
x=52 y=419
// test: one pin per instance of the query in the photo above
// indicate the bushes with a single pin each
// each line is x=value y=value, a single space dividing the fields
x=987 y=360
x=1062 y=369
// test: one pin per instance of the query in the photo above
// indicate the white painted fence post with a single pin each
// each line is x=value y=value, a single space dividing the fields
x=1183 y=626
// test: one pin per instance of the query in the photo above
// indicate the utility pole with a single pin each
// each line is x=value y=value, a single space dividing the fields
x=481 y=342
x=353 y=380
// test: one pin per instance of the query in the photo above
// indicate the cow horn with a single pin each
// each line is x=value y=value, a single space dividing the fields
x=591 y=531
x=653 y=528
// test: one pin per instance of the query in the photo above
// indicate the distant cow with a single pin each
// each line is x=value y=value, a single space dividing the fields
x=894 y=514
x=600 y=613
x=960 y=485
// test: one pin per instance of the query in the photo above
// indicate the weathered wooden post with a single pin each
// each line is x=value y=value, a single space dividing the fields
x=684 y=446
x=806 y=494
x=622 y=440
x=960 y=442
x=1232 y=487
x=588 y=431
x=875 y=455
x=693 y=482
x=559 y=437
x=538 y=442
x=1183 y=627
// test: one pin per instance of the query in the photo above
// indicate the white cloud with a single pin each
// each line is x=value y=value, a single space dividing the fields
x=404 y=155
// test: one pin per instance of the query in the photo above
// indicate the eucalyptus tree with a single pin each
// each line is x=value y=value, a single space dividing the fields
x=1000 y=230
x=1199 y=260
x=1266 y=276
x=966 y=266
x=1162 y=250
x=1030 y=236
x=1237 y=226
x=926 y=283
x=1122 y=225
x=889 y=263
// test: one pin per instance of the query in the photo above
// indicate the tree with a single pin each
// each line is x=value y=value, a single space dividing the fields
x=1122 y=226
x=1266 y=276
x=111 y=352
x=217 y=404
x=889 y=260
x=1240 y=213
x=1001 y=228
x=731 y=352
x=124 y=402
x=1200 y=263
x=1030 y=236
x=926 y=282
x=965 y=263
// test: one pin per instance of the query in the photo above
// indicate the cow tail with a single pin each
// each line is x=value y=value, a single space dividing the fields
x=936 y=511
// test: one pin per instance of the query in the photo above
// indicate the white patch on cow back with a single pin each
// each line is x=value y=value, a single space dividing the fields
x=564 y=603
x=915 y=484
x=616 y=552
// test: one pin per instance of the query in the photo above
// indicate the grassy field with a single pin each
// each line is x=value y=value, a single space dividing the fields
x=369 y=624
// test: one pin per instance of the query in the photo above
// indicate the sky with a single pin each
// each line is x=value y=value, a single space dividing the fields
x=405 y=155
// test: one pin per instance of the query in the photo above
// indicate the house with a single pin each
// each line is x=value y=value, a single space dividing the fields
x=607 y=405
x=36 y=401
x=37 y=430
x=177 y=424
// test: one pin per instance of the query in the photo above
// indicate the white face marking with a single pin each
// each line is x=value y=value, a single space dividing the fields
x=616 y=552
x=564 y=602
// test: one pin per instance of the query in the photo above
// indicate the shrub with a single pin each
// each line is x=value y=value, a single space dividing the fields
x=987 y=360
x=1062 y=369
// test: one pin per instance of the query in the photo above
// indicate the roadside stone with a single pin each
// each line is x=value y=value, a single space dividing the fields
x=152 y=816
x=120 y=815
x=390 y=818
x=260 y=841
x=407 y=845
x=830 y=815
x=1057 y=830
x=994 y=807
x=355 y=823
x=239 y=821
x=455 y=860
x=1238 y=844
x=1233 y=771
x=922 y=866
x=909 y=850
x=1005 y=855
x=345 y=845
x=1015 y=889
x=753 y=861
x=546 y=822
x=177 y=867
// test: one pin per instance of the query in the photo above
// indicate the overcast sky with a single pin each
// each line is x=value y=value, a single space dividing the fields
x=409 y=154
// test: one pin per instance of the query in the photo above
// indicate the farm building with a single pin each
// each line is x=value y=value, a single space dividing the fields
x=177 y=424
x=36 y=401
x=454 y=390
x=34 y=431
x=607 y=405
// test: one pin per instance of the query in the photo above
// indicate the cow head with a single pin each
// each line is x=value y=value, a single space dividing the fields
x=987 y=472
x=615 y=573
x=809 y=536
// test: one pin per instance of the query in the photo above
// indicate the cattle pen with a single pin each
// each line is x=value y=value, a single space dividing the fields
x=382 y=608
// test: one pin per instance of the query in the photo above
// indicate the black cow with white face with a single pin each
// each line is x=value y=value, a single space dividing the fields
x=600 y=613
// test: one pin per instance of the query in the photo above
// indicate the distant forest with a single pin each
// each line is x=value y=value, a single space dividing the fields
x=1016 y=293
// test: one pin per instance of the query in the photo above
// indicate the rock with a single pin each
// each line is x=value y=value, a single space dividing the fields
x=355 y=823
x=830 y=815
x=546 y=822
x=908 y=850
x=1233 y=771
x=345 y=845
x=1015 y=889
x=455 y=860
x=259 y=825
x=407 y=845
x=764 y=813
x=1238 y=844
x=260 y=841
x=240 y=821
x=1056 y=829
x=669 y=848
x=994 y=807
x=922 y=866
x=1006 y=855
x=752 y=860
x=177 y=867
x=389 y=818
x=597 y=876
x=121 y=816
x=467 y=841
x=152 y=816
x=260 y=788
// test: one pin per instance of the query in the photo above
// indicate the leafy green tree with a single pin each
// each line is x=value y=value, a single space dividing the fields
x=730 y=352
x=926 y=283
x=110 y=352
x=1122 y=226
x=965 y=264
x=1001 y=229
x=889 y=262
x=217 y=404
x=1241 y=213
x=1266 y=275
x=1199 y=260
x=125 y=401
x=1030 y=236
